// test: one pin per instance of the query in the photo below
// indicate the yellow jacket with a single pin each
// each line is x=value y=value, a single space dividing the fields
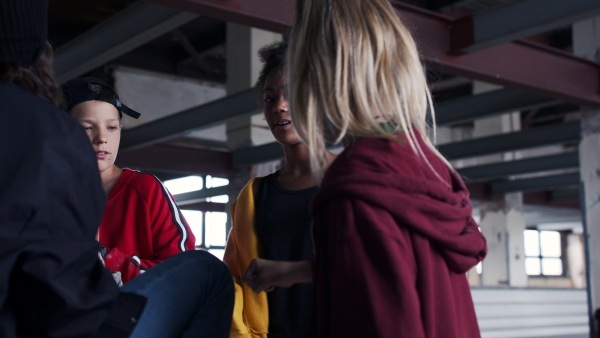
x=251 y=311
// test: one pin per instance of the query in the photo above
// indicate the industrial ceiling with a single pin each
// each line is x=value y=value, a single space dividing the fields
x=523 y=46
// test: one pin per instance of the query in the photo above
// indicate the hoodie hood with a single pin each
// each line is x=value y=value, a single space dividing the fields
x=430 y=199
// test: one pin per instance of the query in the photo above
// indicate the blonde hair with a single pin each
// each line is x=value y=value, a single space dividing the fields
x=350 y=63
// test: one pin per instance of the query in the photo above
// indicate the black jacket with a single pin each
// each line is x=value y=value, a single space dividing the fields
x=51 y=202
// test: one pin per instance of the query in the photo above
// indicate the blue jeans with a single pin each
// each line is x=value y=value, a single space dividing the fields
x=190 y=294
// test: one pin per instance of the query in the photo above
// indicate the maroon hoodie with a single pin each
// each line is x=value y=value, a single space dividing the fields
x=393 y=243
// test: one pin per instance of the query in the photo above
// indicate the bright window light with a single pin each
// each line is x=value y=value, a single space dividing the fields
x=218 y=199
x=550 y=241
x=219 y=253
x=552 y=266
x=194 y=220
x=215 y=228
x=532 y=243
x=213 y=182
x=543 y=253
x=184 y=184
x=532 y=266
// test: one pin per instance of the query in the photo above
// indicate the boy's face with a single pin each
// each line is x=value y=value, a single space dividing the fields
x=100 y=120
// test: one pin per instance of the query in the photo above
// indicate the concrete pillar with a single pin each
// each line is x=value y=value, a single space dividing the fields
x=502 y=220
x=586 y=43
x=243 y=68
x=502 y=223
x=576 y=260
x=589 y=164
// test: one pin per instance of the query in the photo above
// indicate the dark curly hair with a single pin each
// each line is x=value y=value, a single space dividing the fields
x=272 y=56
x=37 y=79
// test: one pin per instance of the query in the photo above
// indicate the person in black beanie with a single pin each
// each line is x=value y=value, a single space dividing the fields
x=52 y=282
x=25 y=54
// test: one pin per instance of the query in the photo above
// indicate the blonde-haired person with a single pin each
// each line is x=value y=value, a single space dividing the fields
x=269 y=246
x=394 y=235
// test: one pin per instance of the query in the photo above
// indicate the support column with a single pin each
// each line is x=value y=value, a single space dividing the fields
x=586 y=43
x=502 y=223
x=589 y=166
x=243 y=68
x=501 y=219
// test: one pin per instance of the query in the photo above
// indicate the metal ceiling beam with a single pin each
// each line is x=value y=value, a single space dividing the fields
x=539 y=136
x=529 y=165
x=565 y=194
x=196 y=118
x=270 y=15
x=264 y=153
x=537 y=183
x=475 y=147
x=255 y=155
x=519 y=65
x=545 y=198
x=519 y=20
x=132 y=27
x=205 y=207
x=243 y=104
x=501 y=101
x=177 y=160
x=200 y=195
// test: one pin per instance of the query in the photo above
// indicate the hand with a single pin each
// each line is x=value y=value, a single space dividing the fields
x=98 y=235
x=265 y=275
x=261 y=275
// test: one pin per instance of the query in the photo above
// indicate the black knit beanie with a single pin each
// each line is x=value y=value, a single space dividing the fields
x=23 y=30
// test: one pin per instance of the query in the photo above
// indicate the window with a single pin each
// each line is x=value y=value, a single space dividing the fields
x=215 y=229
x=218 y=199
x=543 y=253
x=196 y=223
x=216 y=223
x=209 y=226
x=213 y=182
x=184 y=184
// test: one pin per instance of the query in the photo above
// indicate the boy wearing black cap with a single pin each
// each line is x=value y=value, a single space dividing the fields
x=141 y=225
x=52 y=283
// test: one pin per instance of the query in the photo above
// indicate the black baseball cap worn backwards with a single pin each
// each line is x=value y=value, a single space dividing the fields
x=89 y=89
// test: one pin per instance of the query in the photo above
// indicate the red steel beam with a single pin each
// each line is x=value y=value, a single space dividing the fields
x=482 y=191
x=276 y=16
x=543 y=198
x=520 y=65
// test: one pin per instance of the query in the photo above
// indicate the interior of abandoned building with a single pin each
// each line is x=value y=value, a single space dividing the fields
x=516 y=90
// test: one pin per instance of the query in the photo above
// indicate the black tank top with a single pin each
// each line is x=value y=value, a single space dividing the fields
x=283 y=229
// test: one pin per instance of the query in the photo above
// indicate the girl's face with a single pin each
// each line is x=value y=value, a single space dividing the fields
x=275 y=107
x=100 y=120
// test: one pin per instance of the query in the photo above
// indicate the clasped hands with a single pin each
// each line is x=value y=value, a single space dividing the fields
x=265 y=275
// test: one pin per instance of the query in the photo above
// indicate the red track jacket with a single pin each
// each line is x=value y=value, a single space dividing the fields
x=141 y=225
